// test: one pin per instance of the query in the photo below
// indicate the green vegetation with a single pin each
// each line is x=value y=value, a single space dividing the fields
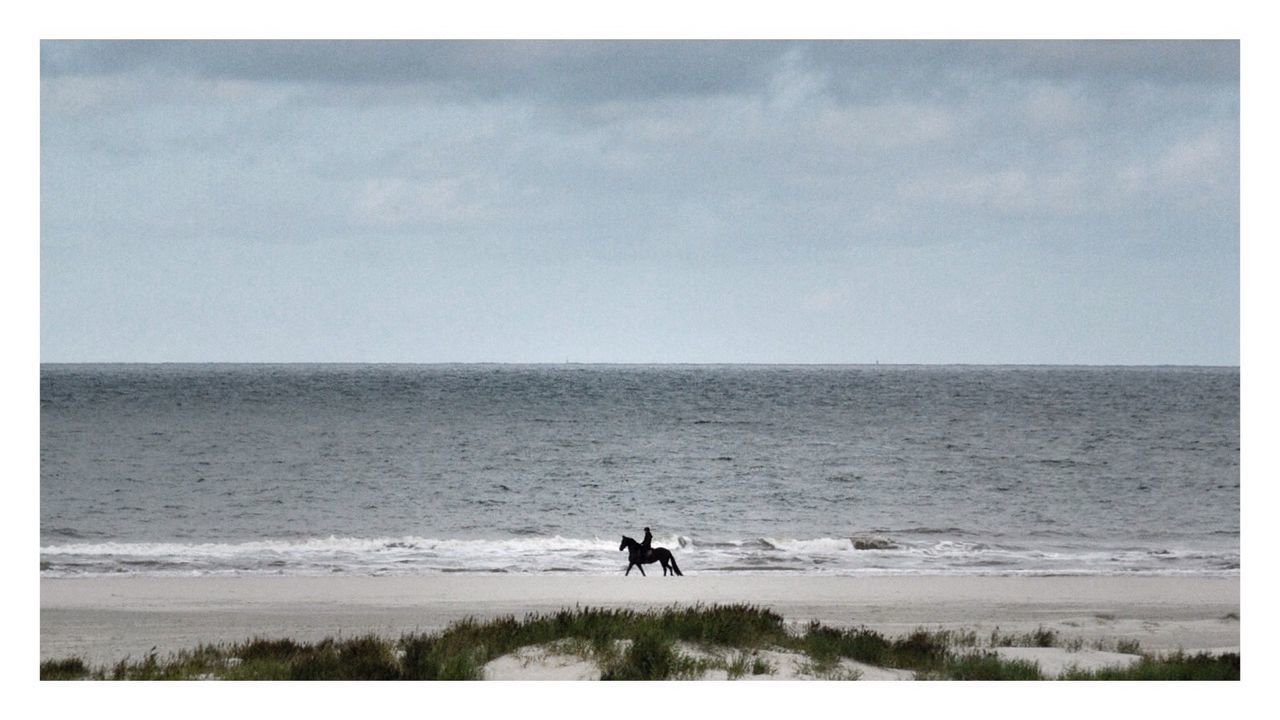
x=1173 y=666
x=922 y=650
x=69 y=669
x=745 y=663
x=653 y=656
x=1128 y=647
x=675 y=643
x=1041 y=637
x=984 y=666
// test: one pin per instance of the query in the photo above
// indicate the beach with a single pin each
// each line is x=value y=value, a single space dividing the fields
x=103 y=620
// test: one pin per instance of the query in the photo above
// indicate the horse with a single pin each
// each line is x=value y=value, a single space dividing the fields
x=638 y=559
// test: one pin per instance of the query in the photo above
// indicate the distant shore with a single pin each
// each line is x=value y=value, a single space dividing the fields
x=103 y=620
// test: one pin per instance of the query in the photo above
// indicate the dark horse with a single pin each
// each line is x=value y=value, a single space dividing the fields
x=638 y=559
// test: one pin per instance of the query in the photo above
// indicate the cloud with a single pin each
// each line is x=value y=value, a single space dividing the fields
x=1056 y=107
x=572 y=70
x=1191 y=161
x=1168 y=61
x=1195 y=168
x=789 y=178
x=599 y=70
x=396 y=202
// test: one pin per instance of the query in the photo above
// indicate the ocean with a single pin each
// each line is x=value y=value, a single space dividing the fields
x=848 y=470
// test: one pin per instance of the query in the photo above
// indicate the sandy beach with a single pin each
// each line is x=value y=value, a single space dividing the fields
x=103 y=620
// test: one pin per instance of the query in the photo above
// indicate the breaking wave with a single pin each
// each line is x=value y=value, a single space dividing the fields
x=411 y=555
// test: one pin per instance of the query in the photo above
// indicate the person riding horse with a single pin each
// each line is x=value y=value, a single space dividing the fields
x=638 y=555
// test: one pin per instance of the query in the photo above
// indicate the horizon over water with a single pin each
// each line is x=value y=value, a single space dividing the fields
x=363 y=468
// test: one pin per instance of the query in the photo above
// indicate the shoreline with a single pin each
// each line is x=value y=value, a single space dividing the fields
x=104 y=620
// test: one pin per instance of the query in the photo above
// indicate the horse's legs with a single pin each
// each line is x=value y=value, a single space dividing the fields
x=628 y=572
x=640 y=568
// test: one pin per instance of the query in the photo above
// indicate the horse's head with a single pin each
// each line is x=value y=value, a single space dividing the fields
x=625 y=542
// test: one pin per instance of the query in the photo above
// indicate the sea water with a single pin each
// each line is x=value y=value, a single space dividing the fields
x=850 y=470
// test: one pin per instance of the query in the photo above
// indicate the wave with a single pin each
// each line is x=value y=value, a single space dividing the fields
x=925 y=530
x=557 y=554
x=813 y=546
x=66 y=532
x=331 y=544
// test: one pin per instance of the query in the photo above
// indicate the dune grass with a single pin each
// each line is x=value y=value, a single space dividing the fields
x=625 y=645
x=69 y=669
x=1171 y=666
x=982 y=665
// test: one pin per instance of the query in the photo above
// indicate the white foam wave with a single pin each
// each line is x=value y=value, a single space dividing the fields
x=330 y=544
x=811 y=546
x=557 y=554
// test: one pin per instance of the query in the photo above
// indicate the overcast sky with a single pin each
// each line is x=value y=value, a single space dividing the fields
x=933 y=202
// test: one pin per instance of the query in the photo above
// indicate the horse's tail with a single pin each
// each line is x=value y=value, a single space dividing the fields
x=674 y=566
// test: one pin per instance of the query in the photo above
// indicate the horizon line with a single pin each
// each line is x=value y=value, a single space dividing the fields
x=639 y=364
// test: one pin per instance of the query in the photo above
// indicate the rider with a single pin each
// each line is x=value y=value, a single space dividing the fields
x=646 y=545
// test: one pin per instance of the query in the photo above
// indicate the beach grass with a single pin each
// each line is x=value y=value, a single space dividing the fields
x=743 y=663
x=633 y=645
x=652 y=655
x=921 y=650
x=1040 y=637
x=1170 y=666
x=983 y=665
x=68 y=669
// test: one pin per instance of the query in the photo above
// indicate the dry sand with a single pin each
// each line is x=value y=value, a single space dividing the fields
x=105 y=619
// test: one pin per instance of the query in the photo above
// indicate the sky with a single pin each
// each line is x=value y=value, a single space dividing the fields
x=1059 y=202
